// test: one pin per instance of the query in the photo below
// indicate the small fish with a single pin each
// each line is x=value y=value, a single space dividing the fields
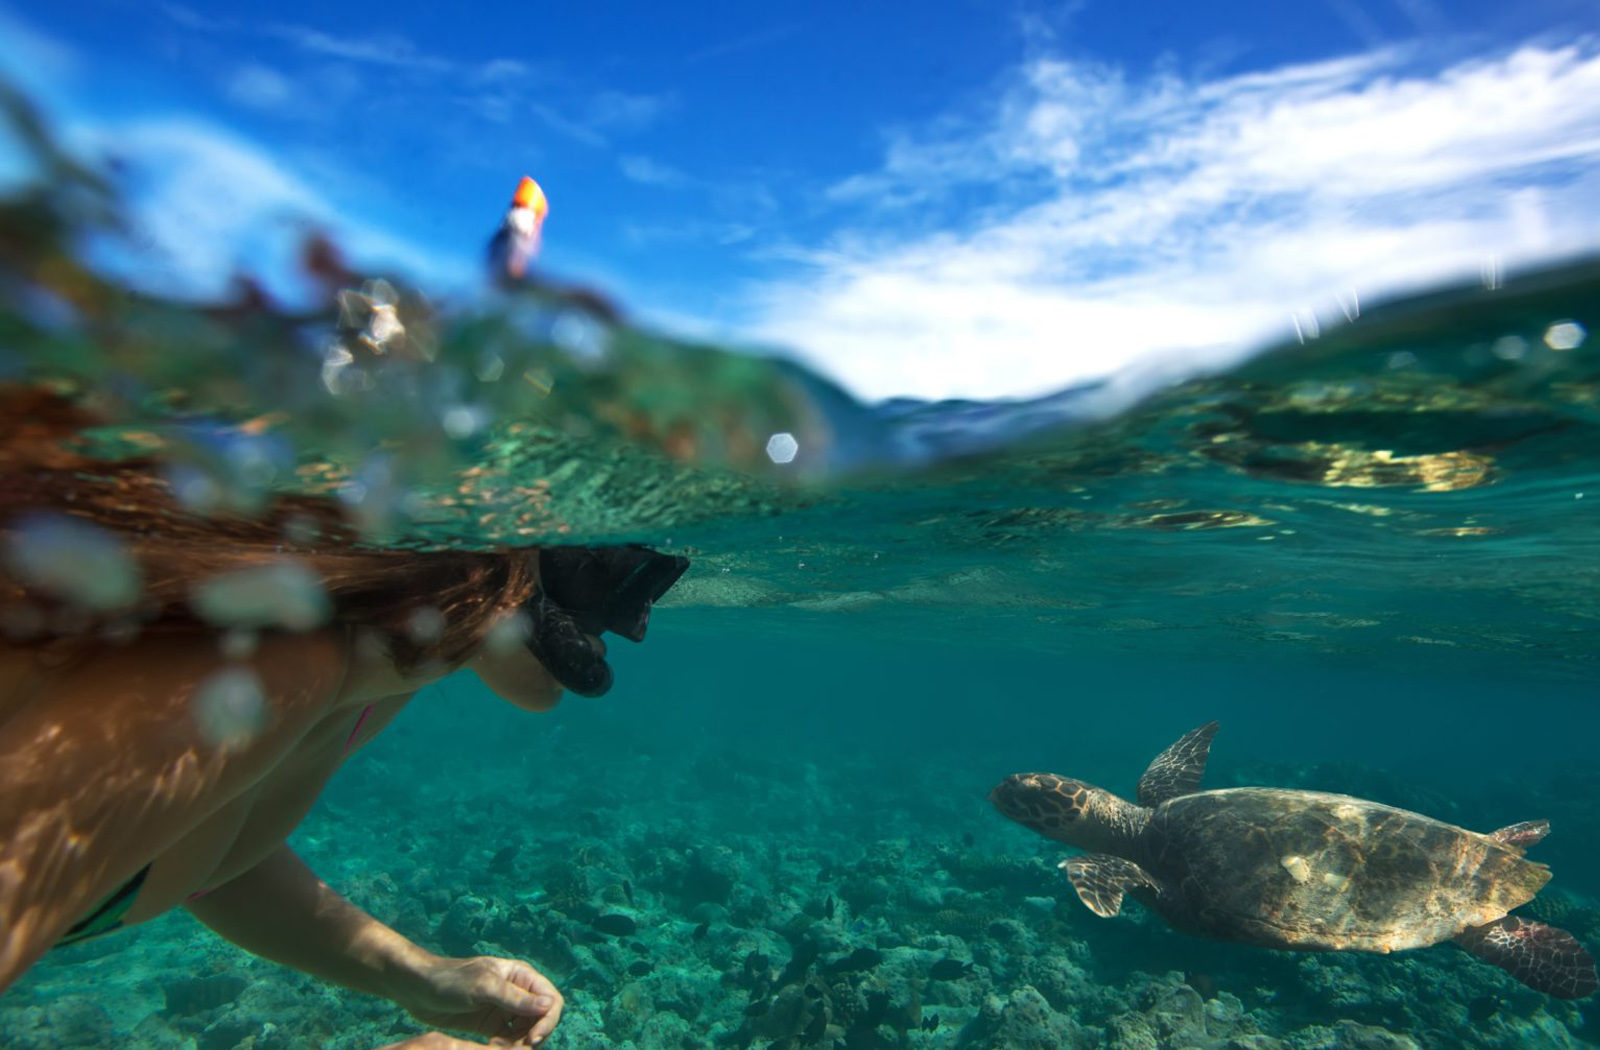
x=615 y=924
x=1484 y=1007
x=930 y=1022
x=1203 y=983
x=504 y=861
x=813 y=992
x=949 y=970
x=757 y=1008
x=701 y=930
x=827 y=909
x=756 y=962
x=639 y=967
x=855 y=962
x=814 y=1030
x=805 y=953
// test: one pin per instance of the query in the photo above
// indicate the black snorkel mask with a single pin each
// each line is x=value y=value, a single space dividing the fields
x=586 y=591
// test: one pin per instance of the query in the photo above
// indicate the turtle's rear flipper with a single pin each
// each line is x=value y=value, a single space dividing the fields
x=1102 y=879
x=1520 y=836
x=1544 y=958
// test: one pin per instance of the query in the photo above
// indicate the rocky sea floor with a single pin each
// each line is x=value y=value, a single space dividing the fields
x=694 y=898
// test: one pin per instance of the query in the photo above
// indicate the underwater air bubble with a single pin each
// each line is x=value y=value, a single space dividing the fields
x=195 y=489
x=337 y=376
x=81 y=564
x=463 y=421
x=782 y=448
x=491 y=366
x=283 y=594
x=1564 y=335
x=509 y=634
x=580 y=335
x=1509 y=348
x=230 y=708
x=425 y=625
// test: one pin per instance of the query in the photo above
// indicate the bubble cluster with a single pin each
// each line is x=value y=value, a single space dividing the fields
x=230 y=708
x=71 y=560
x=284 y=594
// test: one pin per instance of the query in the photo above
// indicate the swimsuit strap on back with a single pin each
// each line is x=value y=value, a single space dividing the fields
x=108 y=916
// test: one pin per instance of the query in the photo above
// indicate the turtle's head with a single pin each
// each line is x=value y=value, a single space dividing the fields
x=1063 y=809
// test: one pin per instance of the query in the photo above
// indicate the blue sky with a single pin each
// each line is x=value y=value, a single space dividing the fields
x=941 y=199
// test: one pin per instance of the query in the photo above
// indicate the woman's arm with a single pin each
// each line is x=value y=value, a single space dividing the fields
x=281 y=911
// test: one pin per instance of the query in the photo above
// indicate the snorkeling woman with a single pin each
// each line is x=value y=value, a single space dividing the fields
x=175 y=691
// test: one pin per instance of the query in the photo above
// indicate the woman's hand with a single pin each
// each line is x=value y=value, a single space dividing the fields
x=440 y=1041
x=505 y=999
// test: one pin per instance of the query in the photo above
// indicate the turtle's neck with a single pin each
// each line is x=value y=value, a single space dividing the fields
x=1110 y=824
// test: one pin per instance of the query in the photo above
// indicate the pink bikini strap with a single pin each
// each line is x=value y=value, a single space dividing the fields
x=351 y=742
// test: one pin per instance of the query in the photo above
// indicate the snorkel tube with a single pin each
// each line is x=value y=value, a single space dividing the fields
x=586 y=591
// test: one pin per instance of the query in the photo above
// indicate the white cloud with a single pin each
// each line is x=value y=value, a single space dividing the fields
x=205 y=204
x=388 y=49
x=1092 y=219
x=627 y=111
x=761 y=38
x=649 y=172
x=259 y=87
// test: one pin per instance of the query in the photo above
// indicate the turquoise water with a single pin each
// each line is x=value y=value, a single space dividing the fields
x=1373 y=556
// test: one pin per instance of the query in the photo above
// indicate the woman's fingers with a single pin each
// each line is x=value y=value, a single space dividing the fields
x=538 y=997
x=435 y=1041
x=545 y=1025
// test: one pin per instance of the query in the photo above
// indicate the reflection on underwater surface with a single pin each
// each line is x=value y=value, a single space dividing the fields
x=1373 y=557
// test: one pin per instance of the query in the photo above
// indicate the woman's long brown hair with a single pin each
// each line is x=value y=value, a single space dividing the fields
x=461 y=593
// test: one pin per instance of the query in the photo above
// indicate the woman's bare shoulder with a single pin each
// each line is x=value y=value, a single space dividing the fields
x=161 y=670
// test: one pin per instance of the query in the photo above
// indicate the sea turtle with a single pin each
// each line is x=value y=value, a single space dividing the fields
x=1300 y=870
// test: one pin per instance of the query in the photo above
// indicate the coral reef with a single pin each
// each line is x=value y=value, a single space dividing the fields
x=712 y=900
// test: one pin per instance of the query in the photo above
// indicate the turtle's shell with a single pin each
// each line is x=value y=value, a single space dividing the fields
x=1308 y=870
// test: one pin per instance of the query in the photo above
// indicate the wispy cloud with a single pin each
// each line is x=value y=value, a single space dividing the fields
x=649 y=172
x=259 y=87
x=499 y=90
x=1090 y=217
x=388 y=49
x=205 y=204
x=627 y=111
x=708 y=231
x=748 y=42
x=189 y=18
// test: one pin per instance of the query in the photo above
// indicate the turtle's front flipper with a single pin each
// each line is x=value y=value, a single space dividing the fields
x=1544 y=958
x=1102 y=879
x=1178 y=769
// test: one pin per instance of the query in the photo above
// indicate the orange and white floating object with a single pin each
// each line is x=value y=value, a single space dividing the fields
x=517 y=241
